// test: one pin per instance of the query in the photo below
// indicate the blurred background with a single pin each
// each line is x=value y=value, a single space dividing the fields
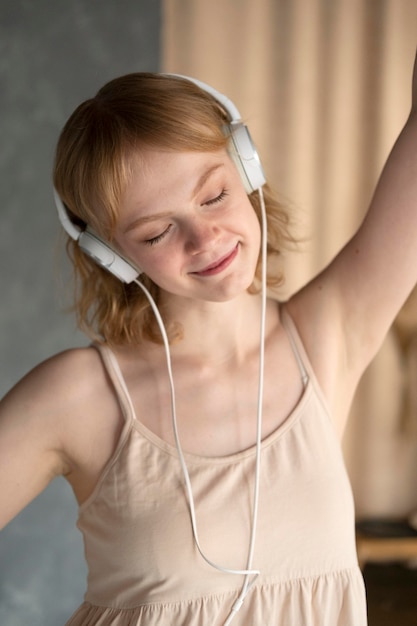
x=324 y=86
x=53 y=56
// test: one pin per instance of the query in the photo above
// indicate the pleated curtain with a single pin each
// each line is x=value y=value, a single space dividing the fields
x=324 y=86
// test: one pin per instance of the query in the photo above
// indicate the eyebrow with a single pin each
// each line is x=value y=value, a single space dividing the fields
x=156 y=216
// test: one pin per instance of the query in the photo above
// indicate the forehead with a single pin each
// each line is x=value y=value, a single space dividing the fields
x=167 y=177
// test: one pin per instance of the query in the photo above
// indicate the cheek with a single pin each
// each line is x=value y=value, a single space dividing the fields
x=254 y=225
x=146 y=257
x=159 y=265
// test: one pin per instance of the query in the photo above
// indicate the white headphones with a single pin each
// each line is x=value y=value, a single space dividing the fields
x=243 y=153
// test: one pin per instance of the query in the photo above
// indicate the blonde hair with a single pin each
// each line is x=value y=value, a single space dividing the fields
x=92 y=170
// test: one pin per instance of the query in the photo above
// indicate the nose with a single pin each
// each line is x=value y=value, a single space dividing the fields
x=202 y=233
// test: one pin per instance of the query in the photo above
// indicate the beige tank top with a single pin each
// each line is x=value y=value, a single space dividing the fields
x=143 y=565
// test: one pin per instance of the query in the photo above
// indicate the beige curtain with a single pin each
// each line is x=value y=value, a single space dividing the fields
x=324 y=86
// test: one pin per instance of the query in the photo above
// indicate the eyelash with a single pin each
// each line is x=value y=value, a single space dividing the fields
x=218 y=198
x=158 y=238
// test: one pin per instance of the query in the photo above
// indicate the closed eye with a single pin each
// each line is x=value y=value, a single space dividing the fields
x=153 y=240
x=217 y=199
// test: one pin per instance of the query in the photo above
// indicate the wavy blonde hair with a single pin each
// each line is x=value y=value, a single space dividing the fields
x=93 y=167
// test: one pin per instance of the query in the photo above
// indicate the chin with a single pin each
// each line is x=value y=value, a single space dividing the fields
x=230 y=291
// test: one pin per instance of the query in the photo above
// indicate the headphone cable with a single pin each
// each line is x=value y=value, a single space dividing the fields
x=249 y=573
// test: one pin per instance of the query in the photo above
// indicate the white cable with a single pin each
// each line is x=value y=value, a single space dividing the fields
x=249 y=573
x=248 y=583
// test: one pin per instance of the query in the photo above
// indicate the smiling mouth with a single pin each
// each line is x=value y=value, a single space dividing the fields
x=220 y=265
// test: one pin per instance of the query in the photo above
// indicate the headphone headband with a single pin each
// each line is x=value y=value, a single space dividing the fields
x=226 y=103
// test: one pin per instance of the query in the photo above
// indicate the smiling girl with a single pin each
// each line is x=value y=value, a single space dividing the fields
x=209 y=475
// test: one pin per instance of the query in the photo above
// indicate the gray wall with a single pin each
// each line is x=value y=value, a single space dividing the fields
x=53 y=55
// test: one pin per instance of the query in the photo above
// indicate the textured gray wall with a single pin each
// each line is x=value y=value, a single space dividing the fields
x=53 y=55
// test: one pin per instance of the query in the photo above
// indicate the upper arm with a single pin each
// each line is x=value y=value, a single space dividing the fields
x=29 y=444
x=43 y=427
x=345 y=313
x=377 y=270
x=372 y=276
x=63 y=418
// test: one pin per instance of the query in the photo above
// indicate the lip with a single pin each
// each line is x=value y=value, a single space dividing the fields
x=221 y=264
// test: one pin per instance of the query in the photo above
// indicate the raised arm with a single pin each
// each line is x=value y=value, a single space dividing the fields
x=346 y=311
x=380 y=263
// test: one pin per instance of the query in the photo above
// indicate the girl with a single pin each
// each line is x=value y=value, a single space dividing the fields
x=203 y=446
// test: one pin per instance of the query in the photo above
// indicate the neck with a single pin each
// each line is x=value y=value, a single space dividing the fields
x=216 y=333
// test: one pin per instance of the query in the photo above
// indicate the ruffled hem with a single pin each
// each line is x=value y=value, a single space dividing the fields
x=336 y=599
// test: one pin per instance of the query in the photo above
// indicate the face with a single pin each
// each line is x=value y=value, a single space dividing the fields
x=187 y=222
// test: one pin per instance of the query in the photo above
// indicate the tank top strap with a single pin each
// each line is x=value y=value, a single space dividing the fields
x=300 y=354
x=115 y=374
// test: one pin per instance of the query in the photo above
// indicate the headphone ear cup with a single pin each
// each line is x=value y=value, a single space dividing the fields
x=95 y=247
x=243 y=152
x=106 y=257
x=241 y=148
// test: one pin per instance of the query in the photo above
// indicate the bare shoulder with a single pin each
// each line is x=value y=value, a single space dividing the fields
x=318 y=315
x=89 y=412
x=60 y=381
x=62 y=418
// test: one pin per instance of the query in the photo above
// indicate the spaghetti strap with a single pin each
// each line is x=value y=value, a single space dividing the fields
x=292 y=334
x=113 y=370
